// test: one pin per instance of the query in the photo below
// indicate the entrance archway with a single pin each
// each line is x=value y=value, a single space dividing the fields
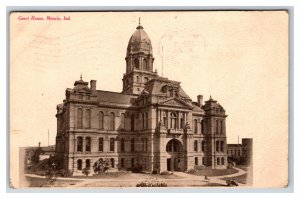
x=175 y=160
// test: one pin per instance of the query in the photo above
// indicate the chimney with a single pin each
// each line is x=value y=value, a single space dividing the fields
x=39 y=144
x=200 y=100
x=93 y=85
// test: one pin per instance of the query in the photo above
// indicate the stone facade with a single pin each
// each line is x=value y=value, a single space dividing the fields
x=152 y=123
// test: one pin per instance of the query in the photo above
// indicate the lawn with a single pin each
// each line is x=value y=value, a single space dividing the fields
x=126 y=175
x=213 y=172
x=43 y=182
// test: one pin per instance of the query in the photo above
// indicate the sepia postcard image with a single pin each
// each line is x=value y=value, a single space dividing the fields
x=175 y=99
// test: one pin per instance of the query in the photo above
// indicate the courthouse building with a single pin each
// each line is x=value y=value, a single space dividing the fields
x=152 y=123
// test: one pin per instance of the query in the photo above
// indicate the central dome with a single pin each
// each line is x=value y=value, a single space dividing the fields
x=139 y=42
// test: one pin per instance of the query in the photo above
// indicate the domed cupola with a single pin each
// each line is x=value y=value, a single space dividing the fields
x=139 y=42
x=139 y=62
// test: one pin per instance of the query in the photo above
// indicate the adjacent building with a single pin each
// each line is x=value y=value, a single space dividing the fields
x=151 y=123
x=243 y=151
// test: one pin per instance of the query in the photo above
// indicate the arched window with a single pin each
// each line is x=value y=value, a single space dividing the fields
x=196 y=160
x=132 y=122
x=88 y=164
x=223 y=161
x=101 y=144
x=111 y=121
x=145 y=64
x=202 y=146
x=79 y=164
x=195 y=145
x=146 y=79
x=112 y=144
x=101 y=120
x=217 y=146
x=137 y=79
x=112 y=162
x=217 y=126
x=173 y=146
x=88 y=118
x=122 y=121
x=122 y=162
x=195 y=126
x=122 y=145
x=88 y=144
x=136 y=63
x=132 y=145
x=173 y=120
x=79 y=144
x=218 y=161
x=79 y=118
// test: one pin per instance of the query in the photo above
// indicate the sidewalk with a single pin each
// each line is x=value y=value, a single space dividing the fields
x=185 y=180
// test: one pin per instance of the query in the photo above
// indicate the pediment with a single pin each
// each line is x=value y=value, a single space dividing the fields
x=175 y=103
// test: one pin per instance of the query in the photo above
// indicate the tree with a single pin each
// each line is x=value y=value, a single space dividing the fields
x=36 y=155
x=101 y=166
x=86 y=171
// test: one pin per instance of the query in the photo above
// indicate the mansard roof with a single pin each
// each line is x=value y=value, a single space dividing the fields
x=115 y=98
x=156 y=87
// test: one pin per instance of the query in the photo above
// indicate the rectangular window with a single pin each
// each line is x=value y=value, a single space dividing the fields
x=221 y=126
x=88 y=144
x=79 y=144
x=221 y=146
x=146 y=120
x=132 y=145
x=122 y=145
x=101 y=144
x=195 y=145
x=112 y=144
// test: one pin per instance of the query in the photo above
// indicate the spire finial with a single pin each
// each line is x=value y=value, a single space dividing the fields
x=139 y=26
x=81 y=76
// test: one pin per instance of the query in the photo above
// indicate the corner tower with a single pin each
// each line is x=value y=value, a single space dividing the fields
x=139 y=62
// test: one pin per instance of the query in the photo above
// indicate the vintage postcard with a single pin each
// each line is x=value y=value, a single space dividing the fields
x=149 y=99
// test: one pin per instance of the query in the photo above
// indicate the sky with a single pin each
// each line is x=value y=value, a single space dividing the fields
x=239 y=58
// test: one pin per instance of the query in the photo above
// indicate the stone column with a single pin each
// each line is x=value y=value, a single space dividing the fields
x=178 y=120
x=83 y=145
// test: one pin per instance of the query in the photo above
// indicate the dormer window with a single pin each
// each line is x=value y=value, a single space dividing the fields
x=146 y=79
x=171 y=92
x=176 y=93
